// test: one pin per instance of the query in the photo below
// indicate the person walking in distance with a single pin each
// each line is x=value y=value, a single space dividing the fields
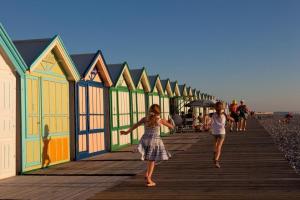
x=233 y=113
x=243 y=115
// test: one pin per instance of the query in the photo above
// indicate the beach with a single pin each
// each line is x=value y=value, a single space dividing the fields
x=286 y=137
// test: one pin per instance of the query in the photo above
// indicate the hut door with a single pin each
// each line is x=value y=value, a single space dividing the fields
x=141 y=107
x=7 y=121
x=32 y=139
x=91 y=120
x=134 y=116
x=82 y=120
x=95 y=131
x=55 y=118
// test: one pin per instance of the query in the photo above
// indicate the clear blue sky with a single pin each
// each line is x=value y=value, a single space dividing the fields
x=229 y=48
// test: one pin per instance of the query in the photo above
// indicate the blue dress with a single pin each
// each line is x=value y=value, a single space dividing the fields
x=151 y=145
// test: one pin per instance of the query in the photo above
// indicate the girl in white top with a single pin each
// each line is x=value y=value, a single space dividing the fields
x=218 y=123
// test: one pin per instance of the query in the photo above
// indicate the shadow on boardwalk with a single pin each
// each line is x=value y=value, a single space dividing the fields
x=252 y=168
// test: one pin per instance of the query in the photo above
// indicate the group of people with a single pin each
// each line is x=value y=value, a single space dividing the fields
x=199 y=123
x=151 y=146
x=240 y=115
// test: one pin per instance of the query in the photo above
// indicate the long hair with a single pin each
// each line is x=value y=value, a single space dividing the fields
x=153 y=115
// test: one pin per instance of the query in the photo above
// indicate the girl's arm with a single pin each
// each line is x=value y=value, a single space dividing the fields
x=166 y=123
x=139 y=123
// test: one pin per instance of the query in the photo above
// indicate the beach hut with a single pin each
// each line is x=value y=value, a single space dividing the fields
x=138 y=99
x=176 y=95
x=120 y=104
x=182 y=98
x=194 y=98
x=165 y=104
x=156 y=90
x=49 y=117
x=92 y=104
x=12 y=71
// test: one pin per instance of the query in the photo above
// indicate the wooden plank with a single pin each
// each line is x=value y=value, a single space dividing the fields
x=252 y=168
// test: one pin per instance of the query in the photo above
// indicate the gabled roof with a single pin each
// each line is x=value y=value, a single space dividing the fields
x=155 y=81
x=189 y=91
x=11 y=52
x=140 y=75
x=194 y=93
x=166 y=85
x=198 y=94
x=117 y=70
x=175 y=88
x=85 y=63
x=33 y=51
x=183 y=90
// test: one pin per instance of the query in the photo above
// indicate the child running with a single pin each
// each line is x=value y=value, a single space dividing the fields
x=151 y=145
x=218 y=123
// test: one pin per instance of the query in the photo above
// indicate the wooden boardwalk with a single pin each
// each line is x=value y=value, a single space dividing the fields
x=252 y=168
x=83 y=179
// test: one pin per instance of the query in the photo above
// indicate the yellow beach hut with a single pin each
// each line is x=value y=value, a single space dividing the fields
x=50 y=79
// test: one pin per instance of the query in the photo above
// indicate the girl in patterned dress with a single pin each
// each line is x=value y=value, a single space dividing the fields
x=151 y=145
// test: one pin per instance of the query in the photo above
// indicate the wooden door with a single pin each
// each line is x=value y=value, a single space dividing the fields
x=141 y=112
x=55 y=117
x=134 y=116
x=96 y=140
x=124 y=116
x=31 y=155
x=7 y=120
x=82 y=115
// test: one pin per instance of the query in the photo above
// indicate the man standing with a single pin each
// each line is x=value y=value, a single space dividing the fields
x=243 y=115
x=233 y=113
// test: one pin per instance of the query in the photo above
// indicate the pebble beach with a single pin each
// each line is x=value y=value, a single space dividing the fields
x=286 y=137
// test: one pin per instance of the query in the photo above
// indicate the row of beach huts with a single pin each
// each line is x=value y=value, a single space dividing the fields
x=56 y=107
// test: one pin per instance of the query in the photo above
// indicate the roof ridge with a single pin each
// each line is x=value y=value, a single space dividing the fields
x=33 y=40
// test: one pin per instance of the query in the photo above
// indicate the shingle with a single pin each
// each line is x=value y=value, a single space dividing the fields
x=83 y=62
x=164 y=83
x=114 y=71
x=136 y=75
x=152 y=80
x=181 y=88
x=30 y=50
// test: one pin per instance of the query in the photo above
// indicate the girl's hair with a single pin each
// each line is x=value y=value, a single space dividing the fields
x=219 y=103
x=153 y=115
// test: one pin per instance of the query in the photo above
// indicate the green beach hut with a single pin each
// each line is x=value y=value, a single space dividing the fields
x=176 y=95
x=120 y=104
x=182 y=99
x=138 y=99
x=165 y=104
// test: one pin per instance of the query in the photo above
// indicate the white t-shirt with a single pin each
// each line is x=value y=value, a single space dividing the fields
x=218 y=124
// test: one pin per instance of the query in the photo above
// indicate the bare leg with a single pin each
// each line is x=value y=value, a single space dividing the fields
x=219 y=145
x=150 y=169
x=241 y=124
